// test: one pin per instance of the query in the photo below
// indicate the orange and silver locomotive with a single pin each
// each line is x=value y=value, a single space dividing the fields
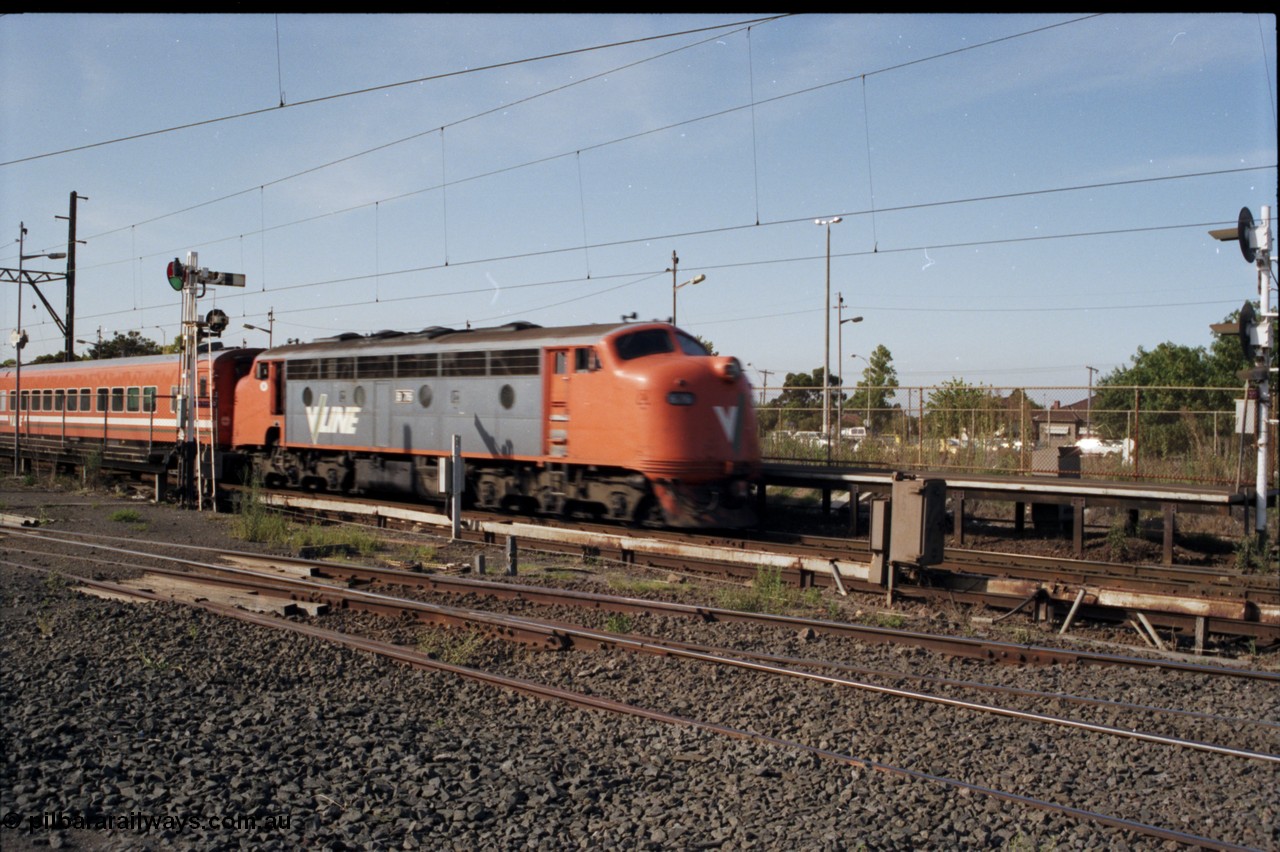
x=626 y=422
x=629 y=422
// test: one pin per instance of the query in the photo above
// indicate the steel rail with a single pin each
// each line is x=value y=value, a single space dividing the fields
x=954 y=645
x=975 y=686
x=419 y=660
x=555 y=635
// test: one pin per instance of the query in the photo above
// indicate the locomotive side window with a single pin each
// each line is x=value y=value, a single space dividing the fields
x=562 y=363
x=302 y=368
x=638 y=344
x=464 y=363
x=339 y=368
x=417 y=365
x=513 y=362
x=376 y=366
x=262 y=370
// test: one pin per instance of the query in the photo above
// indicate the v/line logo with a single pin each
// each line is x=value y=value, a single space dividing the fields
x=325 y=419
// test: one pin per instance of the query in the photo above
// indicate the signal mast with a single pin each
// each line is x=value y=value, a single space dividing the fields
x=192 y=282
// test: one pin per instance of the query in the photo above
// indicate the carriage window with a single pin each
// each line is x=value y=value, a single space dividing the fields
x=4 y=400
x=133 y=399
x=86 y=399
x=24 y=401
x=149 y=398
x=102 y=399
x=638 y=344
x=48 y=399
x=117 y=399
x=73 y=400
x=58 y=400
x=173 y=398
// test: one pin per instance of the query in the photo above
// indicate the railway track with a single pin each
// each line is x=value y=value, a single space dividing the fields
x=1189 y=601
x=806 y=681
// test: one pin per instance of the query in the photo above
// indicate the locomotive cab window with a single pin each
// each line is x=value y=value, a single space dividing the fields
x=690 y=345
x=585 y=360
x=638 y=344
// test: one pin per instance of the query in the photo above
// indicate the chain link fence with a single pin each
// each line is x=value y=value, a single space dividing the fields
x=1159 y=434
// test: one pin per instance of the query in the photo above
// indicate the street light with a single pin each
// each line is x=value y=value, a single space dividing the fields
x=840 y=357
x=697 y=279
x=19 y=340
x=270 y=329
x=826 y=346
x=765 y=373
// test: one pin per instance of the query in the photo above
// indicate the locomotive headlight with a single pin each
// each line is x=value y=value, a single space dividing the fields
x=680 y=398
x=728 y=369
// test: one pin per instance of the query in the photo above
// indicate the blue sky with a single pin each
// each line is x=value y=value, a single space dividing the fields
x=1023 y=195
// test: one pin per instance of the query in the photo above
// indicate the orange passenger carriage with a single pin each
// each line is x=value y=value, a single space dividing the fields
x=123 y=411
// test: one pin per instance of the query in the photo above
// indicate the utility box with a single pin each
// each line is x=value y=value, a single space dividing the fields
x=917 y=521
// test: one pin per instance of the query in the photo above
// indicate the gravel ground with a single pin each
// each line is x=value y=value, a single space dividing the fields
x=187 y=731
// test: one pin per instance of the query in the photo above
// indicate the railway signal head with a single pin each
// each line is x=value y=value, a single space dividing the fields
x=177 y=274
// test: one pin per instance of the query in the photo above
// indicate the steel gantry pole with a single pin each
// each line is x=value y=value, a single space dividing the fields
x=826 y=328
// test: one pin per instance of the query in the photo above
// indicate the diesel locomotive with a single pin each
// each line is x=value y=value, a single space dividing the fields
x=631 y=422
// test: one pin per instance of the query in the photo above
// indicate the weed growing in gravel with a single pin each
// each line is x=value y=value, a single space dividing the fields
x=889 y=620
x=127 y=516
x=452 y=648
x=1250 y=558
x=767 y=593
x=618 y=622
x=1117 y=542
x=159 y=664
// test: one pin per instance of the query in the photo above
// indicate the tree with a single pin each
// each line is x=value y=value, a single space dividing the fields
x=124 y=346
x=799 y=406
x=879 y=380
x=53 y=358
x=710 y=347
x=956 y=408
x=1166 y=386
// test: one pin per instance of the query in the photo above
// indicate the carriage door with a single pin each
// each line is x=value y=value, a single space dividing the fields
x=556 y=442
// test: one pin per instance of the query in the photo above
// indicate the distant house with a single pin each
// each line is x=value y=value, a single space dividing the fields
x=1061 y=425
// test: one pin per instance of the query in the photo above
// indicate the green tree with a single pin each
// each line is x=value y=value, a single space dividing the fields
x=956 y=408
x=124 y=346
x=53 y=358
x=879 y=380
x=1165 y=386
x=799 y=406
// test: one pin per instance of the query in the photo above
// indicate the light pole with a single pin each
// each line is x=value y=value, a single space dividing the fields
x=826 y=328
x=270 y=329
x=840 y=358
x=765 y=373
x=20 y=340
x=697 y=279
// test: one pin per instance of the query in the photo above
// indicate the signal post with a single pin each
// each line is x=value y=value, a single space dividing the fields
x=1255 y=332
x=193 y=282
